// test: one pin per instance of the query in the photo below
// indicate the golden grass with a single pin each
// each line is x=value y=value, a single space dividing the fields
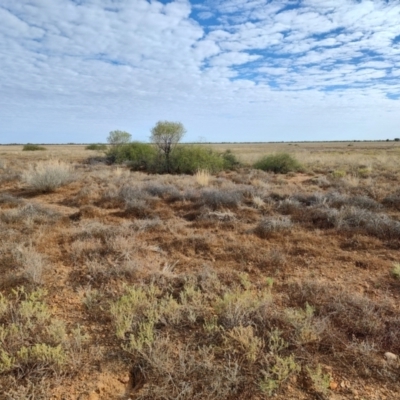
x=203 y=177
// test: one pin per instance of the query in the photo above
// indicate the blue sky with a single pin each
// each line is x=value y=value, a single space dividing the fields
x=229 y=70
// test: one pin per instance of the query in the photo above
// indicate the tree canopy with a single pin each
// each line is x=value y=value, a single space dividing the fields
x=166 y=135
x=119 y=137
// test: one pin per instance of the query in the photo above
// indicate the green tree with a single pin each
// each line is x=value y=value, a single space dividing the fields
x=166 y=135
x=116 y=138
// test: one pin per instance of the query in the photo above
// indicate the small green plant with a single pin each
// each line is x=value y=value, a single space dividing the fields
x=396 y=270
x=282 y=369
x=133 y=310
x=320 y=380
x=247 y=341
x=31 y=339
x=33 y=147
x=338 y=173
x=211 y=324
x=280 y=163
x=240 y=307
x=303 y=323
x=96 y=146
x=364 y=172
x=275 y=342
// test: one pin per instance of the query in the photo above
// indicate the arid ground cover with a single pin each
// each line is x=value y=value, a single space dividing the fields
x=241 y=285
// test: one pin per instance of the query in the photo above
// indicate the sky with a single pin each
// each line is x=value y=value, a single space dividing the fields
x=229 y=70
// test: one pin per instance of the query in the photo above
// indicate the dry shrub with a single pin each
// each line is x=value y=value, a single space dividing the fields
x=148 y=224
x=31 y=263
x=102 y=270
x=338 y=200
x=243 y=307
x=289 y=206
x=274 y=258
x=7 y=174
x=222 y=198
x=29 y=214
x=100 y=243
x=348 y=315
x=379 y=225
x=310 y=199
x=162 y=190
x=89 y=194
x=35 y=390
x=393 y=200
x=46 y=176
x=173 y=370
x=271 y=225
x=9 y=201
x=224 y=216
x=95 y=229
x=190 y=246
x=258 y=202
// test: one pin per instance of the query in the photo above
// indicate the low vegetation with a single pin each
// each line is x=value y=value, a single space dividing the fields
x=47 y=176
x=204 y=283
x=280 y=163
x=96 y=146
x=164 y=155
x=32 y=147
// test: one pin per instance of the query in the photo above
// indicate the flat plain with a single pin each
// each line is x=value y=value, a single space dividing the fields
x=240 y=285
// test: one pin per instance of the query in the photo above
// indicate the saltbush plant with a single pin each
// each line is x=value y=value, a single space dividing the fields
x=32 y=147
x=139 y=156
x=96 y=146
x=280 y=163
x=190 y=159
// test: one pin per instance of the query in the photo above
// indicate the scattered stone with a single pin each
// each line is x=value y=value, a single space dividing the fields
x=333 y=385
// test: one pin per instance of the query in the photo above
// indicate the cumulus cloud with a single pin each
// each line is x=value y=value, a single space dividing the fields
x=77 y=69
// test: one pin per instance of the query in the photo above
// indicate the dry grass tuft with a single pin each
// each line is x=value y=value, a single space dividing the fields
x=46 y=176
x=203 y=177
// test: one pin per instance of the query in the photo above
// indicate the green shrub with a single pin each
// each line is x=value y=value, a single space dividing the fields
x=190 y=159
x=32 y=147
x=96 y=146
x=396 y=270
x=230 y=160
x=32 y=340
x=280 y=163
x=182 y=160
x=139 y=156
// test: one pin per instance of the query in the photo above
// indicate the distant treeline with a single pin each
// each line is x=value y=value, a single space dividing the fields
x=271 y=142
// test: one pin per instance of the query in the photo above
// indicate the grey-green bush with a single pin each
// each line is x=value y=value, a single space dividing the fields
x=32 y=147
x=96 y=146
x=190 y=159
x=139 y=156
x=280 y=163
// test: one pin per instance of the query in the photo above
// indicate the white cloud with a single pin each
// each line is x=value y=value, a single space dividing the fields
x=73 y=72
